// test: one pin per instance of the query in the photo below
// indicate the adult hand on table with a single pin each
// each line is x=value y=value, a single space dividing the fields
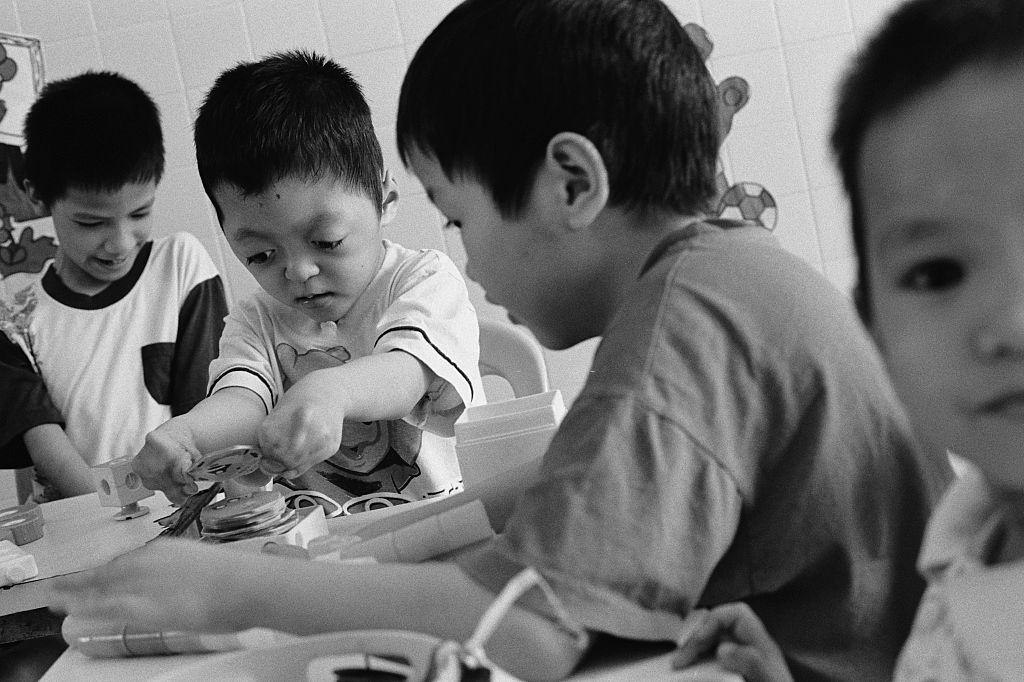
x=740 y=644
x=305 y=427
x=167 y=585
x=165 y=459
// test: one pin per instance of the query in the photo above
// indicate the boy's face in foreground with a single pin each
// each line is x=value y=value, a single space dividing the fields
x=943 y=195
x=100 y=233
x=516 y=261
x=313 y=246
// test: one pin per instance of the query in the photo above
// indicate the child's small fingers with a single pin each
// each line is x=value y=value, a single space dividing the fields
x=743 y=661
x=700 y=641
x=752 y=663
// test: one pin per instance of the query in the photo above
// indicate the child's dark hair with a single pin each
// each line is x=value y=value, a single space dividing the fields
x=497 y=79
x=95 y=131
x=290 y=114
x=920 y=45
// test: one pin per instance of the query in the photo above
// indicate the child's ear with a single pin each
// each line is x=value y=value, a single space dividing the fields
x=581 y=178
x=389 y=205
x=30 y=192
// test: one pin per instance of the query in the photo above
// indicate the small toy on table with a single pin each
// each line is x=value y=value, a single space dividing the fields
x=16 y=565
x=261 y=516
x=119 y=486
x=22 y=524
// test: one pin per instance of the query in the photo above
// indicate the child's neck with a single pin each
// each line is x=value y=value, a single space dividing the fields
x=621 y=242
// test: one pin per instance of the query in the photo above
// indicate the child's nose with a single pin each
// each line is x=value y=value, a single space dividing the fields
x=1000 y=335
x=300 y=269
x=120 y=240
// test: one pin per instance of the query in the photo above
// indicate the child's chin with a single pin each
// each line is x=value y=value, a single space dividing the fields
x=324 y=314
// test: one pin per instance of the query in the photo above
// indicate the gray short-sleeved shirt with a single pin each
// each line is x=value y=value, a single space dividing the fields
x=737 y=439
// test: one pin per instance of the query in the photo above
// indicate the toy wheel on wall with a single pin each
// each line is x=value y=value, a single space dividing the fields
x=749 y=201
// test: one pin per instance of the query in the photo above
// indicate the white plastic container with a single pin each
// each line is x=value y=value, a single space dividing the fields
x=16 y=565
x=493 y=438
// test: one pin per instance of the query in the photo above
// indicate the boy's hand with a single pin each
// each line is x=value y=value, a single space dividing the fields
x=165 y=459
x=145 y=587
x=304 y=428
x=739 y=642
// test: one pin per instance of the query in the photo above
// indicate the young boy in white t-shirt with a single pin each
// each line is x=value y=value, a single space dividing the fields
x=118 y=333
x=357 y=355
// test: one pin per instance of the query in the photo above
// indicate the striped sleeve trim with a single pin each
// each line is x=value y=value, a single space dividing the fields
x=409 y=328
x=245 y=377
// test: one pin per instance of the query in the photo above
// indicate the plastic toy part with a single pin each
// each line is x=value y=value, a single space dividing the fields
x=21 y=525
x=373 y=501
x=119 y=486
x=16 y=565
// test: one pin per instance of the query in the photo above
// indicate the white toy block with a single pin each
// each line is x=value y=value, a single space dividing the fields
x=119 y=486
x=16 y=565
x=421 y=540
x=493 y=438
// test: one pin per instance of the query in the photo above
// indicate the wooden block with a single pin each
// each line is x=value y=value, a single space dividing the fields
x=117 y=485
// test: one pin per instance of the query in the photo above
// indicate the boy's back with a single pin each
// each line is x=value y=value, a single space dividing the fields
x=768 y=462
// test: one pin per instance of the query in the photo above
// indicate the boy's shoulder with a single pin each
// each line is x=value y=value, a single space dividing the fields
x=403 y=266
x=183 y=255
x=741 y=286
x=750 y=263
x=180 y=243
x=403 y=258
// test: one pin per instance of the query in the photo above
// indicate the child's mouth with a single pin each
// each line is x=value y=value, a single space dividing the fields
x=313 y=300
x=111 y=263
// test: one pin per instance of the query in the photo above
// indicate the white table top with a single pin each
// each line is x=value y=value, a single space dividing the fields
x=79 y=534
x=73 y=666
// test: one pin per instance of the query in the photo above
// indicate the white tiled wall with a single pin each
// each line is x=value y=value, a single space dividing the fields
x=789 y=51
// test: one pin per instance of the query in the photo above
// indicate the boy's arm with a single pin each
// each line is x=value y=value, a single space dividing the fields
x=58 y=460
x=31 y=425
x=310 y=597
x=306 y=425
x=231 y=416
x=431 y=318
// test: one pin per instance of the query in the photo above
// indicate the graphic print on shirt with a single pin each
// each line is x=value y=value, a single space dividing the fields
x=377 y=456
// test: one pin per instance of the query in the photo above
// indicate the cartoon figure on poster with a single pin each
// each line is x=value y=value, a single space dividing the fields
x=26 y=232
x=742 y=200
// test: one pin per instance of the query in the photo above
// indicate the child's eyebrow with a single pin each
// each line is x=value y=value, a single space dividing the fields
x=248 y=233
x=908 y=232
x=87 y=212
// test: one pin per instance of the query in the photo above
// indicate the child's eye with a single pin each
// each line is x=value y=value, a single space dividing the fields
x=328 y=246
x=933 y=275
x=88 y=223
x=453 y=224
x=259 y=258
x=140 y=216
